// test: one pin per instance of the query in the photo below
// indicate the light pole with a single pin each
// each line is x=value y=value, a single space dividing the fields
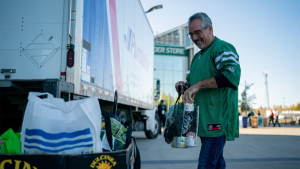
x=153 y=8
x=267 y=93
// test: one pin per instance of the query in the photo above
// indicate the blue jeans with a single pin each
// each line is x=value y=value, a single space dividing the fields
x=211 y=154
x=276 y=122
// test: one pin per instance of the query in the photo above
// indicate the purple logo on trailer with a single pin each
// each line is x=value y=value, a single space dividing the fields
x=128 y=38
x=138 y=52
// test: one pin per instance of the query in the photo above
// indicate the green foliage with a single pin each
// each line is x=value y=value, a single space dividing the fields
x=295 y=107
x=246 y=100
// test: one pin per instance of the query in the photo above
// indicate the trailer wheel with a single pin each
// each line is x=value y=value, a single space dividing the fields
x=152 y=134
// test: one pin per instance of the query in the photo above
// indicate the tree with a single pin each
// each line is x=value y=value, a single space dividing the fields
x=295 y=107
x=246 y=100
x=277 y=107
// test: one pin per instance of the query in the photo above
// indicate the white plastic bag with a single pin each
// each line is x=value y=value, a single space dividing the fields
x=53 y=126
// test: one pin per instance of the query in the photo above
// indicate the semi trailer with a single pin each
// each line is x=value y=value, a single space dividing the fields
x=75 y=49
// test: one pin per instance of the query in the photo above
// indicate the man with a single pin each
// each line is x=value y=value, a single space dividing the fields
x=276 y=120
x=271 y=119
x=249 y=116
x=213 y=86
x=162 y=109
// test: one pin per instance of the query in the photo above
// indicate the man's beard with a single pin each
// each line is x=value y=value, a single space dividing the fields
x=200 y=46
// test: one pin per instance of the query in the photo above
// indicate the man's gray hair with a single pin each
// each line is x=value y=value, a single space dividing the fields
x=203 y=17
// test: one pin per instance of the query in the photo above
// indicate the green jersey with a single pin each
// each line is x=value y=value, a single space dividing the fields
x=218 y=107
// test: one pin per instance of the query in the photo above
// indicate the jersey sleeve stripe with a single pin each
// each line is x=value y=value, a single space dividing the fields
x=226 y=64
x=225 y=53
x=230 y=58
x=230 y=63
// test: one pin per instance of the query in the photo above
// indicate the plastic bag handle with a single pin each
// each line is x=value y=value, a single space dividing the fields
x=40 y=94
x=181 y=90
x=33 y=96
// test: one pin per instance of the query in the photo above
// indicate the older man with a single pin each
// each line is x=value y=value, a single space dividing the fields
x=213 y=86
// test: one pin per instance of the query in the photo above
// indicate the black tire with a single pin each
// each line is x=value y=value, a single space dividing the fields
x=152 y=134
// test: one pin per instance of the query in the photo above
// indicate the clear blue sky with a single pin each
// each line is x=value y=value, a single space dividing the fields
x=266 y=34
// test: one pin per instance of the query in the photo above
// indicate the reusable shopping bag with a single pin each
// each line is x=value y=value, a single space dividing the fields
x=53 y=126
x=182 y=124
x=12 y=143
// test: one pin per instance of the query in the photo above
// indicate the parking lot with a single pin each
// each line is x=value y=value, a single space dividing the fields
x=266 y=147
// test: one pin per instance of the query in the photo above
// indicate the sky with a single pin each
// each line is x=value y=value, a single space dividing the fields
x=265 y=33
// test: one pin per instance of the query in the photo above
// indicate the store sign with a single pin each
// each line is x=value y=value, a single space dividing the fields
x=170 y=50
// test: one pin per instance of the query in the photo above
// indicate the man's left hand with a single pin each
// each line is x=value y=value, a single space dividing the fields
x=189 y=94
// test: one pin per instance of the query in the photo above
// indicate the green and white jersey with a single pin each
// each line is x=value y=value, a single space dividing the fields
x=218 y=108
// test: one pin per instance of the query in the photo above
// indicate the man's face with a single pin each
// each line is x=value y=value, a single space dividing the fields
x=204 y=38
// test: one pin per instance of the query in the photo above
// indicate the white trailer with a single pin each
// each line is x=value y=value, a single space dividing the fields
x=75 y=49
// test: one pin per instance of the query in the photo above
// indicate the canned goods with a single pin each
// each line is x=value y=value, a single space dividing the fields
x=190 y=134
x=188 y=107
x=190 y=142
x=191 y=139
x=179 y=142
x=173 y=144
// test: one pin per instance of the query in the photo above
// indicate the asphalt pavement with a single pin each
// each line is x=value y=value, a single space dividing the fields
x=265 y=148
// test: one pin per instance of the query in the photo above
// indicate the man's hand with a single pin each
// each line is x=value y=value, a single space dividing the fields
x=190 y=93
x=179 y=83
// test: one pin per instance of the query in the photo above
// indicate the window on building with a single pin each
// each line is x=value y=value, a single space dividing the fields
x=183 y=37
x=170 y=69
x=188 y=40
x=176 y=38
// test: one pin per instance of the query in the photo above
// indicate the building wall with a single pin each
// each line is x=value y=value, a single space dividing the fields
x=174 y=37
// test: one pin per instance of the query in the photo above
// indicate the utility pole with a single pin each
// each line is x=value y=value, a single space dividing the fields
x=283 y=104
x=267 y=93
